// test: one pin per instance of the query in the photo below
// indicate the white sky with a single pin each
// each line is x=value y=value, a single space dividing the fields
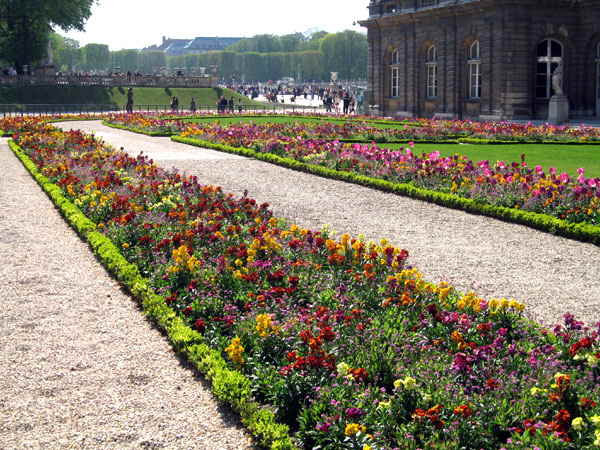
x=140 y=23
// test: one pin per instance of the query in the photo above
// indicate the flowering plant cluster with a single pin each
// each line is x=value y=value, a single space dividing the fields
x=350 y=344
x=371 y=130
x=513 y=185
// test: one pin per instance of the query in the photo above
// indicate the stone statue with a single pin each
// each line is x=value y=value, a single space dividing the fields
x=557 y=80
x=334 y=77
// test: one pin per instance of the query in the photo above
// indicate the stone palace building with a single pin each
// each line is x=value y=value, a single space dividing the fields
x=482 y=59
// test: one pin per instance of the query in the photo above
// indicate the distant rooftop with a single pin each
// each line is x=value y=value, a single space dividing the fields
x=196 y=45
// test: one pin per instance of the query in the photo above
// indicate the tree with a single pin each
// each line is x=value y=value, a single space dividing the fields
x=67 y=54
x=346 y=53
x=96 y=57
x=25 y=26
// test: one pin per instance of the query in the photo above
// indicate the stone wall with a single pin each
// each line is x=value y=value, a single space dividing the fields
x=508 y=32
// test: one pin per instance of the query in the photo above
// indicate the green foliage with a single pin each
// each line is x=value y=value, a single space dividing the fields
x=67 y=54
x=25 y=26
x=346 y=53
x=228 y=385
x=95 y=57
x=269 y=57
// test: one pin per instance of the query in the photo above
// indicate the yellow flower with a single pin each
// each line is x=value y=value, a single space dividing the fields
x=595 y=420
x=577 y=423
x=235 y=350
x=384 y=405
x=354 y=428
x=407 y=383
x=597 y=436
x=125 y=245
x=367 y=447
x=343 y=369
x=264 y=325
x=592 y=360
x=535 y=391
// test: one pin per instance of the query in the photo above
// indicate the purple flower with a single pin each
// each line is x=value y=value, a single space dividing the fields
x=324 y=427
x=354 y=413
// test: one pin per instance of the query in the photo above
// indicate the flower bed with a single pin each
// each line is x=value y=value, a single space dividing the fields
x=512 y=185
x=349 y=344
x=417 y=130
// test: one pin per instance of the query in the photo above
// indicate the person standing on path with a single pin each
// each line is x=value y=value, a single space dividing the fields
x=193 y=106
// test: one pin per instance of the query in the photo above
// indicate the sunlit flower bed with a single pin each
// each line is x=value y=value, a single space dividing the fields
x=513 y=185
x=417 y=129
x=350 y=344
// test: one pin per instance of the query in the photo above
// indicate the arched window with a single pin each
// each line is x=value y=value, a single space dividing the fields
x=431 y=66
x=395 y=73
x=474 y=64
x=549 y=56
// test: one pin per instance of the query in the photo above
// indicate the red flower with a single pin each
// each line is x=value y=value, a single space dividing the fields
x=463 y=410
x=327 y=334
x=200 y=325
x=492 y=383
x=359 y=374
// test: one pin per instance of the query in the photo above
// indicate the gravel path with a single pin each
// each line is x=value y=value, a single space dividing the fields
x=80 y=366
x=550 y=274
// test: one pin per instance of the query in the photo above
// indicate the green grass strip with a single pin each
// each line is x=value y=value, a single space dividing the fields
x=543 y=222
x=229 y=386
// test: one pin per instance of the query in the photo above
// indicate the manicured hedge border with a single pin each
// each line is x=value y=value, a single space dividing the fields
x=579 y=231
x=229 y=386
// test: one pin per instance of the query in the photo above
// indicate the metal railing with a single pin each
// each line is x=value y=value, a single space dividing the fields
x=49 y=109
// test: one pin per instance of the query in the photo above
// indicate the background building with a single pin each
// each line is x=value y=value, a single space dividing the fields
x=482 y=59
x=196 y=45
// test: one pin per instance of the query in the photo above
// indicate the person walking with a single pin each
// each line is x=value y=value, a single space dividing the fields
x=174 y=105
x=193 y=106
x=129 y=106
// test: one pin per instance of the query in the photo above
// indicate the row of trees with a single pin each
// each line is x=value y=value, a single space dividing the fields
x=252 y=59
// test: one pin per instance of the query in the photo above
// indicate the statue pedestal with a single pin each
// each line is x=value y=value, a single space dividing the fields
x=558 y=109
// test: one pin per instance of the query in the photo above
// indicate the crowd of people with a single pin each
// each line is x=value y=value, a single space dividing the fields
x=335 y=99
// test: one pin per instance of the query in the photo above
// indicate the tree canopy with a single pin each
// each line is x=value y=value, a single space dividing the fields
x=25 y=26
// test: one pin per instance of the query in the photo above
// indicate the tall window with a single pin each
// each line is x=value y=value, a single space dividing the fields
x=395 y=74
x=425 y=3
x=431 y=66
x=549 y=56
x=474 y=63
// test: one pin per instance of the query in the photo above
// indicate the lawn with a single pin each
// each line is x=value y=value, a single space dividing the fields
x=566 y=158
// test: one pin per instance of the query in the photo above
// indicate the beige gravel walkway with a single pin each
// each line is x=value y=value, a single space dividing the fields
x=550 y=274
x=80 y=367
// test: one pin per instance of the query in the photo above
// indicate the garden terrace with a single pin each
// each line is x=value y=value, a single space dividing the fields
x=481 y=350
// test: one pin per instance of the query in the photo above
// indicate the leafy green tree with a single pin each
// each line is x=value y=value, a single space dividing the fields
x=67 y=54
x=291 y=42
x=25 y=26
x=96 y=57
x=127 y=60
x=345 y=53
x=152 y=61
